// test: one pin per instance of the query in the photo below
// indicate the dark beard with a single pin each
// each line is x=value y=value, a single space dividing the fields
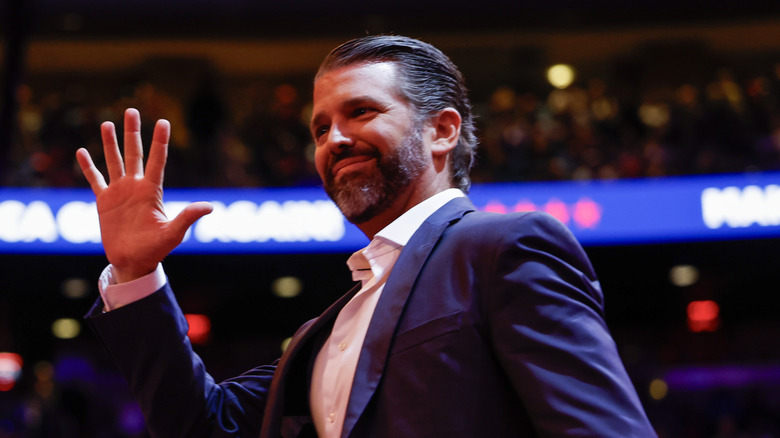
x=361 y=198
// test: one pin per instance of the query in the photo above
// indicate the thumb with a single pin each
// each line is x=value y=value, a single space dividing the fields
x=189 y=215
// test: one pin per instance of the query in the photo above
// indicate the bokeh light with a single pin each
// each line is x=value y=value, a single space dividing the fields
x=703 y=316
x=10 y=370
x=65 y=328
x=285 y=344
x=561 y=75
x=658 y=389
x=200 y=328
x=75 y=288
x=684 y=275
x=287 y=287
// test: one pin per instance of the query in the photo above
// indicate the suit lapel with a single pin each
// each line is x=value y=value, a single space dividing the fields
x=296 y=351
x=390 y=306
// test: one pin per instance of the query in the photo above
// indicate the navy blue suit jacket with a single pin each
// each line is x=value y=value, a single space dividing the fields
x=489 y=326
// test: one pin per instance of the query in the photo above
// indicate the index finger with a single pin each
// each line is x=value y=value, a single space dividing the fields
x=93 y=176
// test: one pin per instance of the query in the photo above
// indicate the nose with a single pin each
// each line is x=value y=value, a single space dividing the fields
x=338 y=138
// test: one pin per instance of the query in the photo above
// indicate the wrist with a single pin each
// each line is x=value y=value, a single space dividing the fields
x=128 y=274
x=117 y=295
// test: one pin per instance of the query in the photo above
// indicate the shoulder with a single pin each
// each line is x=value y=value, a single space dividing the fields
x=516 y=236
x=480 y=225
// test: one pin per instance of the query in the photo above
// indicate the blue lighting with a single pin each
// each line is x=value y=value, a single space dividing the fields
x=294 y=220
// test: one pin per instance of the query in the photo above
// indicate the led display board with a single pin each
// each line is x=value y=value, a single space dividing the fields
x=293 y=220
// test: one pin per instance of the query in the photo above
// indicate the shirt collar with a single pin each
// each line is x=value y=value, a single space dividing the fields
x=396 y=235
x=401 y=230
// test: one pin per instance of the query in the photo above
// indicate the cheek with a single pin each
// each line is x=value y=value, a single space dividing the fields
x=320 y=161
x=381 y=138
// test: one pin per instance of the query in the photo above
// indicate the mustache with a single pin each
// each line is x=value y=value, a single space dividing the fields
x=353 y=152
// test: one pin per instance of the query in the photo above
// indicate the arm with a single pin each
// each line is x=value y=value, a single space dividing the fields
x=148 y=341
x=148 y=337
x=545 y=309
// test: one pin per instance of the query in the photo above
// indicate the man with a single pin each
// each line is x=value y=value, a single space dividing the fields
x=464 y=324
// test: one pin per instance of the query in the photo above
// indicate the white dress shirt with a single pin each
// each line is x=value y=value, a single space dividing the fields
x=335 y=365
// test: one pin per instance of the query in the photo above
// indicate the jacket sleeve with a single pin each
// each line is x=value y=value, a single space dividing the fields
x=545 y=311
x=148 y=341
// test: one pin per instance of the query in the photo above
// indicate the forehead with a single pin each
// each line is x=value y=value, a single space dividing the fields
x=371 y=79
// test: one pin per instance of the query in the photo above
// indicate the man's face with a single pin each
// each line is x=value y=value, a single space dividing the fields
x=369 y=144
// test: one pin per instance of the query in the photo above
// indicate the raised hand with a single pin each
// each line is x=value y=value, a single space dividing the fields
x=136 y=233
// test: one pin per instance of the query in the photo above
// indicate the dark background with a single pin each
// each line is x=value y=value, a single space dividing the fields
x=653 y=45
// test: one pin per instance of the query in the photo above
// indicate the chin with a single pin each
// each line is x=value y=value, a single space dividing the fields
x=360 y=204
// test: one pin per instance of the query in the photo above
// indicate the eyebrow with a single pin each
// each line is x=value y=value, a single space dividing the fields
x=351 y=102
x=315 y=121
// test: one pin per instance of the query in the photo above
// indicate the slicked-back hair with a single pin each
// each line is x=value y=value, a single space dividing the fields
x=429 y=80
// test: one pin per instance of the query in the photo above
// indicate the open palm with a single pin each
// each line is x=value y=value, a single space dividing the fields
x=136 y=232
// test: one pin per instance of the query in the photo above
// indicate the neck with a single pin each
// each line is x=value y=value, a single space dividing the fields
x=411 y=197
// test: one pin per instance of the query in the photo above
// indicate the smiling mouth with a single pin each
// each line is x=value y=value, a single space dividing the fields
x=350 y=163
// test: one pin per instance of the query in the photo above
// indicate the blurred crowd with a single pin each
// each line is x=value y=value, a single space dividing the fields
x=593 y=132
x=256 y=133
x=264 y=143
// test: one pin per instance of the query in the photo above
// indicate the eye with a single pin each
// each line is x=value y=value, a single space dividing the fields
x=320 y=131
x=359 y=111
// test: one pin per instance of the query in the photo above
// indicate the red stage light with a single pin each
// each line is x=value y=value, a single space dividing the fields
x=10 y=370
x=703 y=316
x=200 y=328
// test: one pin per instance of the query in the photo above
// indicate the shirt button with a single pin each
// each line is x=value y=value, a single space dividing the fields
x=342 y=346
x=331 y=417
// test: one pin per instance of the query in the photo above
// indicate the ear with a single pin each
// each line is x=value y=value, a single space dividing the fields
x=445 y=128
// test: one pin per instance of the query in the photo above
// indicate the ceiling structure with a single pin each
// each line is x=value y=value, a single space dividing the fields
x=306 y=18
